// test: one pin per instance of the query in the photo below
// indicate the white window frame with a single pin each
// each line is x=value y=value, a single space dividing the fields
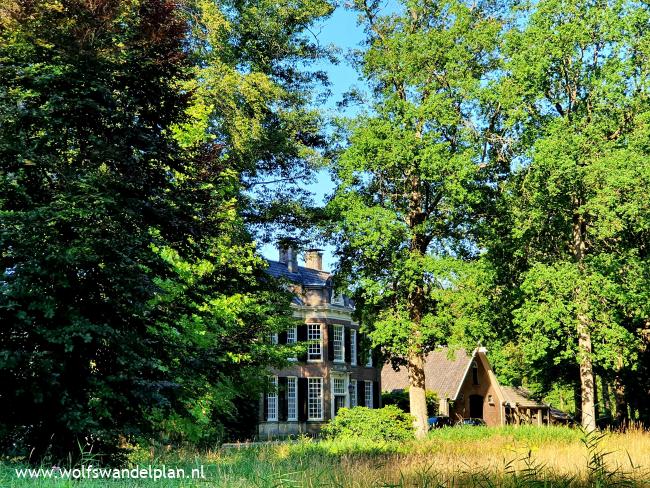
x=369 y=394
x=343 y=391
x=292 y=338
x=315 y=398
x=339 y=352
x=353 y=393
x=292 y=335
x=272 y=401
x=274 y=338
x=313 y=347
x=292 y=398
x=337 y=299
x=353 y=347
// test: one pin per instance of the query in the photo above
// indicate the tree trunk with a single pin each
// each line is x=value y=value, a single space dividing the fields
x=417 y=394
x=587 y=387
x=417 y=304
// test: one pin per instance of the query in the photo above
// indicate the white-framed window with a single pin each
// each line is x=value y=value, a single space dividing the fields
x=292 y=335
x=274 y=338
x=338 y=385
x=353 y=393
x=292 y=398
x=369 y=361
x=315 y=399
x=272 y=400
x=353 y=347
x=292 y=338
x=368 y=392
x=339 y=343
x=337 y=299
x=315 y=351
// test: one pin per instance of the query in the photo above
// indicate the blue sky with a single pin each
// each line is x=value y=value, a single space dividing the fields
x=341 y=30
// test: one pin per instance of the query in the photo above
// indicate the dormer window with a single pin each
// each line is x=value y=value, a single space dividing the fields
x=337 y=299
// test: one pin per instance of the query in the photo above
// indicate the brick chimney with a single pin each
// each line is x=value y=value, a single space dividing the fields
x=288 y=256
x=314 y=259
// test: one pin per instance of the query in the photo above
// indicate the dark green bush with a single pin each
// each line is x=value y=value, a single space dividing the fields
x=400 y=398
x=379 y=424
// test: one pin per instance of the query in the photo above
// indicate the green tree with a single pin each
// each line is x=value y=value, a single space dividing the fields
x=253 y=96
x=132 y=299
x=577 y=86
x=412 y=174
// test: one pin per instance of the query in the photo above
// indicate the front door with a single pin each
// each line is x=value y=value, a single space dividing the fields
x=476 y=406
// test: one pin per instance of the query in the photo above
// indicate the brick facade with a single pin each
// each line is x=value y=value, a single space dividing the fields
x=467 y=388
x=315 y=303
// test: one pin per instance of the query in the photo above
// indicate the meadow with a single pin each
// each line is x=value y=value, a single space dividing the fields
x=472 y=456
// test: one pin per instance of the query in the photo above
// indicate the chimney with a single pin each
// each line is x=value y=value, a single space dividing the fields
x=289 y=256
x=314 y=259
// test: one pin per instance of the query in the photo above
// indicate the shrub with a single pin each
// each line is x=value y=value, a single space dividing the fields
x=379 y=424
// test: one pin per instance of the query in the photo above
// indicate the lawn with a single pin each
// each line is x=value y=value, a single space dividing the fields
x=472 y=456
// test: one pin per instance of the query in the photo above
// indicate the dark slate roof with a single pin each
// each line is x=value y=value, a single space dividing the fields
x=444 y=372
x=304 y=276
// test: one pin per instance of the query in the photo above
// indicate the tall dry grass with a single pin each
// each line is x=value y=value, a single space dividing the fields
x=455 y=457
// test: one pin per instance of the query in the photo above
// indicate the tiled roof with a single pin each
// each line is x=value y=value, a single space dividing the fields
x=518 y=396
x=444 y=371
x=304 y=276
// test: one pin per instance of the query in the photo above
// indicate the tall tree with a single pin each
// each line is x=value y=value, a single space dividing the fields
x=412 y=172
x=578 y=78
x=132 y=301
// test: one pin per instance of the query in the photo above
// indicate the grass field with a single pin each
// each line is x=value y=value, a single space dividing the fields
x=473 y=456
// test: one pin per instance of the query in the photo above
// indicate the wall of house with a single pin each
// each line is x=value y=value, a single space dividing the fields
x=318 y=310
x=274 y=430
x=485 y=388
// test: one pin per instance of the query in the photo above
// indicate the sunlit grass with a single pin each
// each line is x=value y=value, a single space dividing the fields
x=472 y=456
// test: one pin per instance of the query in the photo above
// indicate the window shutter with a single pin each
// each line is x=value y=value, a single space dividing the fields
x=283 y=404
x=361 y=393
x=302 y=337
x=330 y=342
x=302 y=399
x=302 y=332
x=376 y=357
x=361 y=355
x=347 y=345
x=282 y=337
x=375 y=394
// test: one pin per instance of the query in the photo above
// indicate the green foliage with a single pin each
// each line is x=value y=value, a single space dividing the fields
x=379 y=424
x=411 y=176
x=253 y=93
x=132 y=298
x=569 y=243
